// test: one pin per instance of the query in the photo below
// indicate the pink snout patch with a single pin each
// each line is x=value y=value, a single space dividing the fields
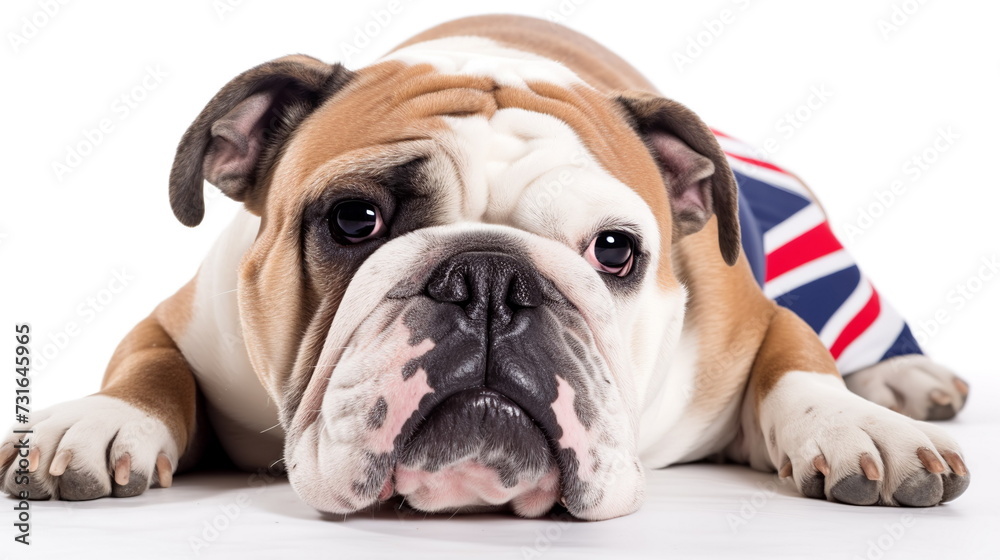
x=469 y=483
x=402 y=400
x=574 y=434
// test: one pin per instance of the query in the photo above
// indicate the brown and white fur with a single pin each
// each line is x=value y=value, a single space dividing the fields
x=519 y=140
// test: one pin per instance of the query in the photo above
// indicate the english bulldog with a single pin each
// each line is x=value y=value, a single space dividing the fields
x=495 y=268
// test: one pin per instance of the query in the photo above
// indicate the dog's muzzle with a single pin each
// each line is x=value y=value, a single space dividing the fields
x=473 y=381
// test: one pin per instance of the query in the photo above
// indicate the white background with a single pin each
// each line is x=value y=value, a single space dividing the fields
x=63 y=238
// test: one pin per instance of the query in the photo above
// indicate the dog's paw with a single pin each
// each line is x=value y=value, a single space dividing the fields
x=841 y=447
x=912 y=385
x=88 y=448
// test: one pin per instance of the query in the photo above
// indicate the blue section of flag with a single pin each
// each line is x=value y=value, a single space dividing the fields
x=769 y=204
x=818 y=300
x=752 y=239
x=905 y=344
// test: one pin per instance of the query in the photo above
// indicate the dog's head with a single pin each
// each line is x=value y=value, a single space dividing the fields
x=462 y=285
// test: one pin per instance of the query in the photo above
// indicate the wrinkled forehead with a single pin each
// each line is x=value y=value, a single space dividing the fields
x=526 y=142
x=531 y=171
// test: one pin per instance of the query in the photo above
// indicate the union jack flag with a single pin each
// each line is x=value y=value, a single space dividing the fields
x=799 y=263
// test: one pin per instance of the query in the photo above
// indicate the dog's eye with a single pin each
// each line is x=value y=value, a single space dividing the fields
x=611 y=252
x=354 y=221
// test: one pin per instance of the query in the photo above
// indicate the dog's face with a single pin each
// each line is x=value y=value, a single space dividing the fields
x=462 y=286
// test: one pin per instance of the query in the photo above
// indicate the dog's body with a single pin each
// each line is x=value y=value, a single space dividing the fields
x=504 y=183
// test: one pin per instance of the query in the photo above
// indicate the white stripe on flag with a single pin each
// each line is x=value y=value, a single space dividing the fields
x=740 y=148
x=814 y=270
x=771 y=177
x=794 y=226
x=868 y=349
x=847 y=311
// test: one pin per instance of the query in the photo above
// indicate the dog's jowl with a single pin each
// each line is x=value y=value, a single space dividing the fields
x=495 y=268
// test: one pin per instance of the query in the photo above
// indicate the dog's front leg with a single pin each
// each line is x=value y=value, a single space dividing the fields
x=799 y=418
x=118 y=441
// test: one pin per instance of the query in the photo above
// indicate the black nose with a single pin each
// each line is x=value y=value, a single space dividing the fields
x=489 y=286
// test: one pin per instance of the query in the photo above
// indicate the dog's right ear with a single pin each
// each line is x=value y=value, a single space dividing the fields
x=237 y=136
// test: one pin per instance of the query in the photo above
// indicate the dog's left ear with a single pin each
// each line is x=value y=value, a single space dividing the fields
x=694 y=168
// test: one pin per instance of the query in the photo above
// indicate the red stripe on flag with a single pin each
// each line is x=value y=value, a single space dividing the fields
x=719 y=133
x=811 y=245
x=858 y=325
x=758 y=163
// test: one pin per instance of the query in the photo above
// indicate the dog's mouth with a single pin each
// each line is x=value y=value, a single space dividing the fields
x=477 y=448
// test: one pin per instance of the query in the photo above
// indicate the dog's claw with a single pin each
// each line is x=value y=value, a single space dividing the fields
x=930 y=460
x=123 y=468
x=34 y=458
x=821 y=465
x=955 y=462
x=870 y=467
x=164 y=471
x=60 y=462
